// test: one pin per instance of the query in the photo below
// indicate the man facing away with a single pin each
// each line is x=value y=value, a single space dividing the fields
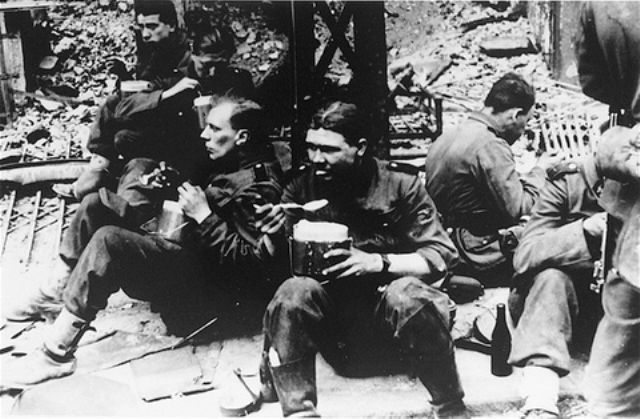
x=552 y=302
x=220 y=260
x=378 y=299
x=471 y=176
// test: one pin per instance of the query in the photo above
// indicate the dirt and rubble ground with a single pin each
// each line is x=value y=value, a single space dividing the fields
x=419 y=32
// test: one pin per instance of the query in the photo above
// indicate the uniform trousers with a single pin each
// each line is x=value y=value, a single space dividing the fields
x=550 y=311
x=352 y=321
x=613 y=373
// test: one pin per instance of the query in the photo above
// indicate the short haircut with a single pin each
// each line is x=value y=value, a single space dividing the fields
x=217 y=41
x=165 y=8
x=246 y=114
x=511 y=91
x=343 y=118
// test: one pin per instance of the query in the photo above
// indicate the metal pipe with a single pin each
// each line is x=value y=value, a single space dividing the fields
x=7 y=220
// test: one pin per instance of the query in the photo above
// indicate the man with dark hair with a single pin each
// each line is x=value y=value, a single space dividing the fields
x=471 y=175
x=374 y=304
x=122 y=125
x=219 y=258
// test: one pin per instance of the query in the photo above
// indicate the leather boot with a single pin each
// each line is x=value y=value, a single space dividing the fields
x=443 y=383
x=54 y=360
x=295 y=385
x=267 y=390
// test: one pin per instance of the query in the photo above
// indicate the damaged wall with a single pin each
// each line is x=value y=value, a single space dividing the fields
x=555 y=24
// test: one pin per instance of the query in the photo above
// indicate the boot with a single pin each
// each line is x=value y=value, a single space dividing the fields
x=443 y=383
x=54 y=360
x=295 y=385
x=40 y=301
x=267 y=390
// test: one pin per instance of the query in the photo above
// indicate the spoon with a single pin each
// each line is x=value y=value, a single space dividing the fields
x=309 y=206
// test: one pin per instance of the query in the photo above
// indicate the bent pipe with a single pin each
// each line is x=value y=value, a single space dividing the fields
x=42 y=171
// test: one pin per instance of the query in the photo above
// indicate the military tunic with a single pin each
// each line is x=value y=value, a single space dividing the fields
x=351 y=321
x=608 y=57
x=471 y=176
x=220 y=260
x=554 y=265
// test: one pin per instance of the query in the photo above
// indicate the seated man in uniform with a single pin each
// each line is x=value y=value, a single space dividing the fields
x=163 y=57
x=553 y=303
x=221 y=259
x=472 y=178
x=160 y=124
x=378 y=295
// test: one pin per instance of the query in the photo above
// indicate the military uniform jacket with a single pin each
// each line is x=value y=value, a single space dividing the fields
x=608 y=53
x=386 y=209
x=554 y=237
x=472 y=178
x=228 y=238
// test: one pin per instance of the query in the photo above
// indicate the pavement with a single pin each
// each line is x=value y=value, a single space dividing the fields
x=117 y=391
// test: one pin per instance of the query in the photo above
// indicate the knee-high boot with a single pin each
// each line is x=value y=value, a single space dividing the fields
x=295 y=385
x=442 y=381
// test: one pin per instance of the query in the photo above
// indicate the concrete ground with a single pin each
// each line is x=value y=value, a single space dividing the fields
x=113 y=392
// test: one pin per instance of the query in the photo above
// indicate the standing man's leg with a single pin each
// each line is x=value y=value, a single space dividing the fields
x=613 y=372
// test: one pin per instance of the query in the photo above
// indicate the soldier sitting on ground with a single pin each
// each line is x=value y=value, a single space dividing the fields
x=553 y=303
x=219 y=260
x=378 y=294
x=471 y=175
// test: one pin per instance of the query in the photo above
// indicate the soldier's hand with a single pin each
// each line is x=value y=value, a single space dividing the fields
x=117 y=66
x=548 y=160
x=193 y=202
x=185 y=83
x=618 y=154
x=269 y=218
x=355 y=263
x=595 y=225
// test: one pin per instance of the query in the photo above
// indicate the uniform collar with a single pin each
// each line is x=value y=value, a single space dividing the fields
x=259 y=156
x=591 y=176
x=485 y=119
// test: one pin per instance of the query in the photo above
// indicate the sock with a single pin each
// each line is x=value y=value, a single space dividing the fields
x=540 y=388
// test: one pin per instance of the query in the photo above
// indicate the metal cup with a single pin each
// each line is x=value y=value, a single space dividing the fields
x=202 y=105
x=310 y=241
x=172 y=221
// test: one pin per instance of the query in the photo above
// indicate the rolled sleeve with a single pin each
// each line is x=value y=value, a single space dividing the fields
x=426 y=234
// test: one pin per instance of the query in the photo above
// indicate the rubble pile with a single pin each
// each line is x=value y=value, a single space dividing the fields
x=261 y=43
x=461 y=43
x=85 y=36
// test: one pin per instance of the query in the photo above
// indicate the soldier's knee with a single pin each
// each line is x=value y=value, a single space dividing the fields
x=293 y=295
x=105 y=237
x=551 y=281
x=89 y=202
x=411 y=292
x=297 y=290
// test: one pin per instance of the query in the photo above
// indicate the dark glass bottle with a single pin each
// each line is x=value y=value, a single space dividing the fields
x=500 y=345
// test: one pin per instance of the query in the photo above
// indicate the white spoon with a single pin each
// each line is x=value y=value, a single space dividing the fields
x=309 y=206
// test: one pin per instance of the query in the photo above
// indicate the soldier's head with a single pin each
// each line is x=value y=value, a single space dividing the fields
x=510 y=102
x=156 y=19
x=212 y=50
x=337 y=140
x=234 y=125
